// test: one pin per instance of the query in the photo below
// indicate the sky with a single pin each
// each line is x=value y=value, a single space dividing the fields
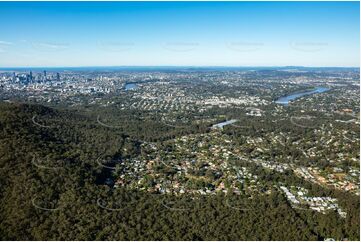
x=73 y=34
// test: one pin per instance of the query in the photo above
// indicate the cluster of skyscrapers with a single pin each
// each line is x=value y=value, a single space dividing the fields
x=27 y=78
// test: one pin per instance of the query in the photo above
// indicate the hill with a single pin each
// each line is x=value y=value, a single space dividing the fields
x=52 y=188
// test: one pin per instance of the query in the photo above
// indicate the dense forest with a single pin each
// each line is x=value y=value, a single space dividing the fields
x=52 y=188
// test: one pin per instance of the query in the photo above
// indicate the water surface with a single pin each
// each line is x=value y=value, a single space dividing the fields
x=222 y=124
x=287 y=99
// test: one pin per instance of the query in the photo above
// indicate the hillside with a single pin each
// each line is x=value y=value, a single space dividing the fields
x=52 y=188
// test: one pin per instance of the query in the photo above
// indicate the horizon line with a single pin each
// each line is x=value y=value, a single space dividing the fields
x=178 y=66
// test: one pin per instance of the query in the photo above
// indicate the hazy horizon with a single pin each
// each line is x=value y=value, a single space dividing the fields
x=176 y=66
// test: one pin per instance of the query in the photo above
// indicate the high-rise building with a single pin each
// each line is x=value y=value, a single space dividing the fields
x=57 y=76
x=44 y=75
x=31 y=76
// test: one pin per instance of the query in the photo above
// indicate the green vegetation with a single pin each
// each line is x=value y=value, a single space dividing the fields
x=52 y=187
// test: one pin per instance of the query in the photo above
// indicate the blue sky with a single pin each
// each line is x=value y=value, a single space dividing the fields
x=179 y=34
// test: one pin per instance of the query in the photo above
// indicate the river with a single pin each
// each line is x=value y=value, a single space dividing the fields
x=221 y=125
x=287 y=99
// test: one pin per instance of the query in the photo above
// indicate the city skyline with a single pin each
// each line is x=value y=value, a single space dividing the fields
x=203 y=34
